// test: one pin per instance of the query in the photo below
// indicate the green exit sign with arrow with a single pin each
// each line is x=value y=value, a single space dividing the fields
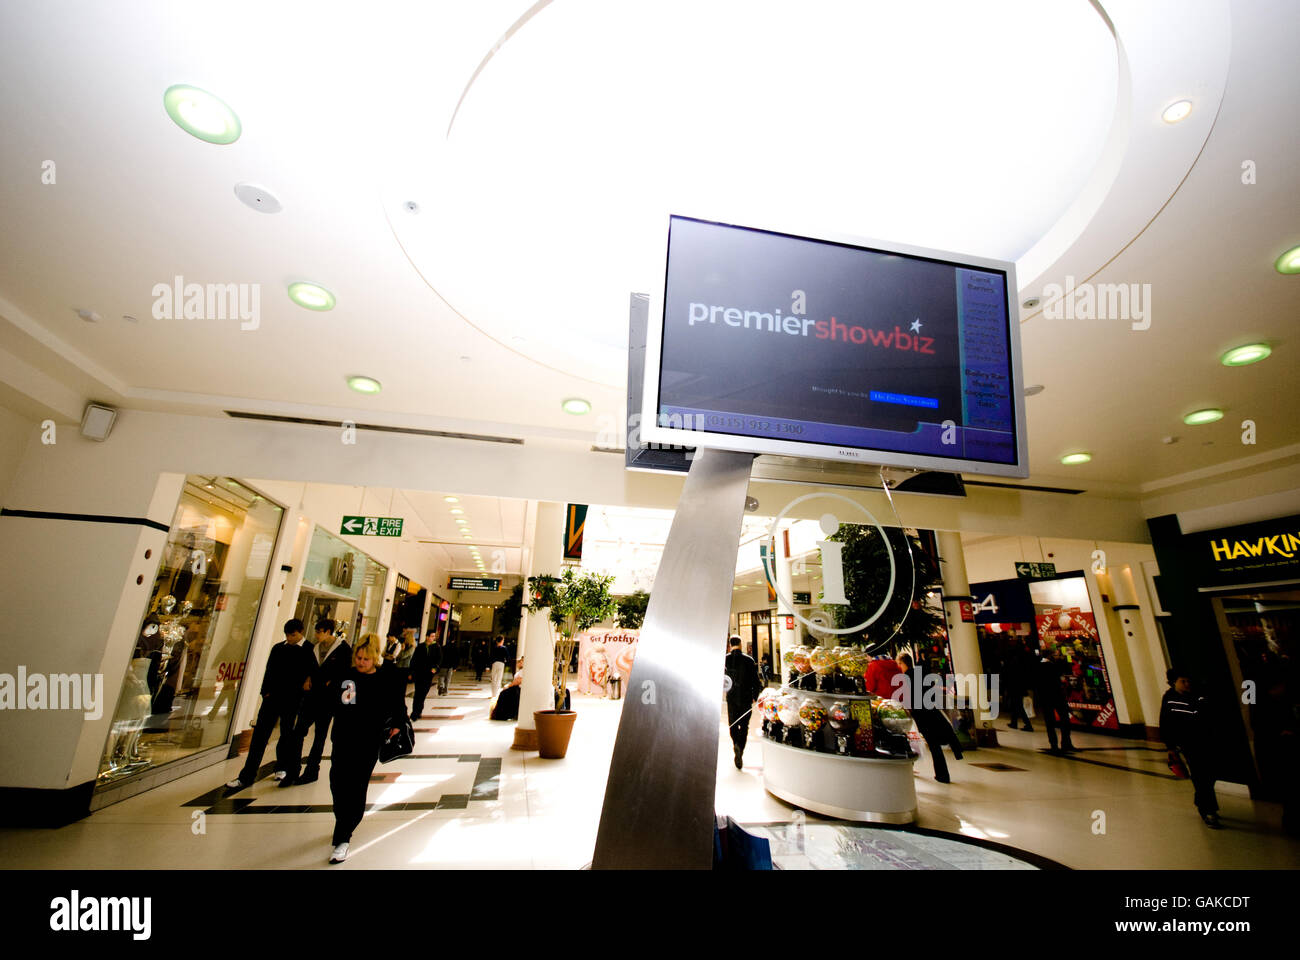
x=372 y=526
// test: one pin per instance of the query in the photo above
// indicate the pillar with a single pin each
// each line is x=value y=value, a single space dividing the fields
x=785 y=601
x=963 y=638
x=547 y=556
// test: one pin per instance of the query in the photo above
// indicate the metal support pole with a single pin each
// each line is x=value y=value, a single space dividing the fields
x=659 y=799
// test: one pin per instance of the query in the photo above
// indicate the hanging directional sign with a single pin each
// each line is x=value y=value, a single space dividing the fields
x=372 y=526
x=474 y=583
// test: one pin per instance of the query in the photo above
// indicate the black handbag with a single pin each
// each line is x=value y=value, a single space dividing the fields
x=399 y=744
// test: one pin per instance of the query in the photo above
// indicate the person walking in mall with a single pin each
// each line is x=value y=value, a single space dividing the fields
x=1016 y=669
x=449 y=660
x=742 y=689
x=1185 y=729
x=499 y=656
x=1049 y=700
x=879 y=677
x=931 y=723
x=287 y=678
x=331 y=658
x=367 y=710
x=423 y=664
x=479 y=658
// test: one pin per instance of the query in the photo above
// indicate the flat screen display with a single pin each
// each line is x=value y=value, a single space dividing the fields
x=821 y=347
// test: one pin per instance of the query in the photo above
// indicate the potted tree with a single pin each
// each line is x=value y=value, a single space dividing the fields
x=576 y=602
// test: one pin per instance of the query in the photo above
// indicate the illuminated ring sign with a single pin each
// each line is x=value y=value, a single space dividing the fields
x=830 y=520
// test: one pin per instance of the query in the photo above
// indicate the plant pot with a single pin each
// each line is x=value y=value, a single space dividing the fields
x=553 y=730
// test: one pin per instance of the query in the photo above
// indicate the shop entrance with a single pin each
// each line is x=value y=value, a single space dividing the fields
x=1259 y=630
x=313 y=604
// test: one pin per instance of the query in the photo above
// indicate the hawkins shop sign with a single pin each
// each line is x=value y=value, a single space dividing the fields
x=1252 y=553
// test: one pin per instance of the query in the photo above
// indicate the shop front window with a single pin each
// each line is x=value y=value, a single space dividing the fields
x=342 y=584
x=179 y=693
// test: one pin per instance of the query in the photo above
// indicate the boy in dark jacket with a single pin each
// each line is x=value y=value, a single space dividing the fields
x=1184 y=727
x=424 y=662
x=288 y=677
x=742 y=689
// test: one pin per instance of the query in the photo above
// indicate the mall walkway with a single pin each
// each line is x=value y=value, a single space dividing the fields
x=465 y=800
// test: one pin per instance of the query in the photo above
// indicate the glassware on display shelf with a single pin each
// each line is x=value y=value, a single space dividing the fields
x=841 y=721
x=812 y=717
x=765 y=699
x=894 y=716
x=864 y=741
x=822 y=661
x=788 y=711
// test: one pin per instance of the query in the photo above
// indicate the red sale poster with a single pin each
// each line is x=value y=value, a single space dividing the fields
x=1086 y=682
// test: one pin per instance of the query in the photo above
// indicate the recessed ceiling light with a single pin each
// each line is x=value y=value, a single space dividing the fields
x=130 y=318
x=90 y=316
x=465 y=357
x=200 y=114
x=467 y=535
x=576 y=406
x=311 y=295
x=1072 y=458
x=461 y=521
x=1031 y=303
x=1034 y=390
x=1178 y=110
x=1241 y=356
x=457 y=510
x=364 y=384
x=1289 y=262
x=452 y=499
x=1208 y=415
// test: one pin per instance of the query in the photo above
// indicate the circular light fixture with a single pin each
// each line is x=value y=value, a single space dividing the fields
x=258 y=198
x=457 y=510
x=1241 y=356
x=576 y=406
x=1072 y=458
x=311 y=295
x=1176 y=111
x=1031 y=303
x=200 y=114
x=364 y=384
x=1209 y=415
x=451 y=499
x=461 y=521
x=1034 y=390
x=466 y=534
x=1289 y=262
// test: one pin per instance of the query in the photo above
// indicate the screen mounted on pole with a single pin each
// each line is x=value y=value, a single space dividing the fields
x=835 y=348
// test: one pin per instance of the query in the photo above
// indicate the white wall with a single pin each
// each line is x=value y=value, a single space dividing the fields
x=16 y=432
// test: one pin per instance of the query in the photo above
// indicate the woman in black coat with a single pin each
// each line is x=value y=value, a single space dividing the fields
x=368 y=710
x=931 y=722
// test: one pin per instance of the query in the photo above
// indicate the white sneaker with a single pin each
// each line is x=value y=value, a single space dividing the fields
x=281 y=774
x=236 y=784
x=340 y=853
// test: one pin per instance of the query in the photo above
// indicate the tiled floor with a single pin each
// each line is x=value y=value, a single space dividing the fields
x=465 y=799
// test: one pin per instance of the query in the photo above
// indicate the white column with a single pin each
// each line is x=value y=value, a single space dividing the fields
x=963 y=638
x=548 y=556
x=789 y=636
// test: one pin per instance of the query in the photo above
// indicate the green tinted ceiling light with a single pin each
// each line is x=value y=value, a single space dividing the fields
x=364 y=384
x=576 y=406
x=311 y=295
x=1289 y=262
x=200 y=114
x=1208 y=415
x=1070 y=459
x=1241 y=356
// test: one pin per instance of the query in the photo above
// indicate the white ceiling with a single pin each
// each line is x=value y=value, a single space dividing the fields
x=1016 y=129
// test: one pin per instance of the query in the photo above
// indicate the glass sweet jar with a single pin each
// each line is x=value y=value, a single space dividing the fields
x=822 y=661
x=787 y=710
x=812 y=717
x=840 y=719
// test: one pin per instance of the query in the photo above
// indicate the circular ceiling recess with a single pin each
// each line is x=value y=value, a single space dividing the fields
x=576 y=138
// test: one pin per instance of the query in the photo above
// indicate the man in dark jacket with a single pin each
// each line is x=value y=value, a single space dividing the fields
x=1184 y=727
x=449 y=660
x=331 y=658
x=1049 y=700
x=287 y=678
x=742 y=688
x=931 y=722
x=1016 y=670
x=424 y=662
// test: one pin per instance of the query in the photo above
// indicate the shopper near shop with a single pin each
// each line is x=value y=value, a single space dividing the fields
x=331 y=658
x=879 y=677
x=423 y=664
x=450 y=660
x=408 y=651
x=391 y=673
x=507 y=705
x=367 y=710
x=742 y=689
x=499 y=657
x=287 y=679
x=1049 y=700
x=1185 y=729
x=1016 y=671
x=931 y=722
x=478 y=658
